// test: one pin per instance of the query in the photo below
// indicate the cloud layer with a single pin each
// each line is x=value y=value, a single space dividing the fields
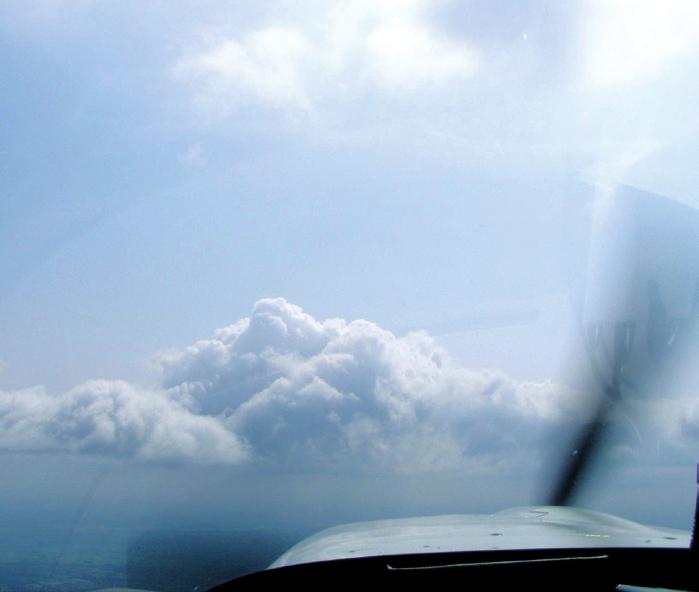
x=283 y=389
x=114 y=418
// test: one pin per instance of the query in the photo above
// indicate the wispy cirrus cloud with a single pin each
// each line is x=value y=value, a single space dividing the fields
x=366 y=47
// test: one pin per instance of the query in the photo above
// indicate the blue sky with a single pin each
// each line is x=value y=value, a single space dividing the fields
x=148 y=169
x=165 y=169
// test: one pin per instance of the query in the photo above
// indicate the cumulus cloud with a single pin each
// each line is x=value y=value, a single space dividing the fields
x=384 y=45
x=114 y=418
x=281 y=388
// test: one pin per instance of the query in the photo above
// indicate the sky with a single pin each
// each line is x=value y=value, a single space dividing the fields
x=306 y=244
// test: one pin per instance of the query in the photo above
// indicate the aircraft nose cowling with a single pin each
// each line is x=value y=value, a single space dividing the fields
x=538 y=527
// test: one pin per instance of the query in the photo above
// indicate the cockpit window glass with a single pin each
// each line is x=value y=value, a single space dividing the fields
x=269 y=268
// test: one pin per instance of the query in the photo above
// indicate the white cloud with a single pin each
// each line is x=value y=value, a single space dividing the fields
x=629 y=41
x=348 y=395
x=266 y=65
x=283 y=389
x=114 y=418
x=407 y=56
x=385 y=45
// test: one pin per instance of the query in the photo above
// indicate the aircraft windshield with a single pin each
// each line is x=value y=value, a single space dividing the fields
x=273 y=267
